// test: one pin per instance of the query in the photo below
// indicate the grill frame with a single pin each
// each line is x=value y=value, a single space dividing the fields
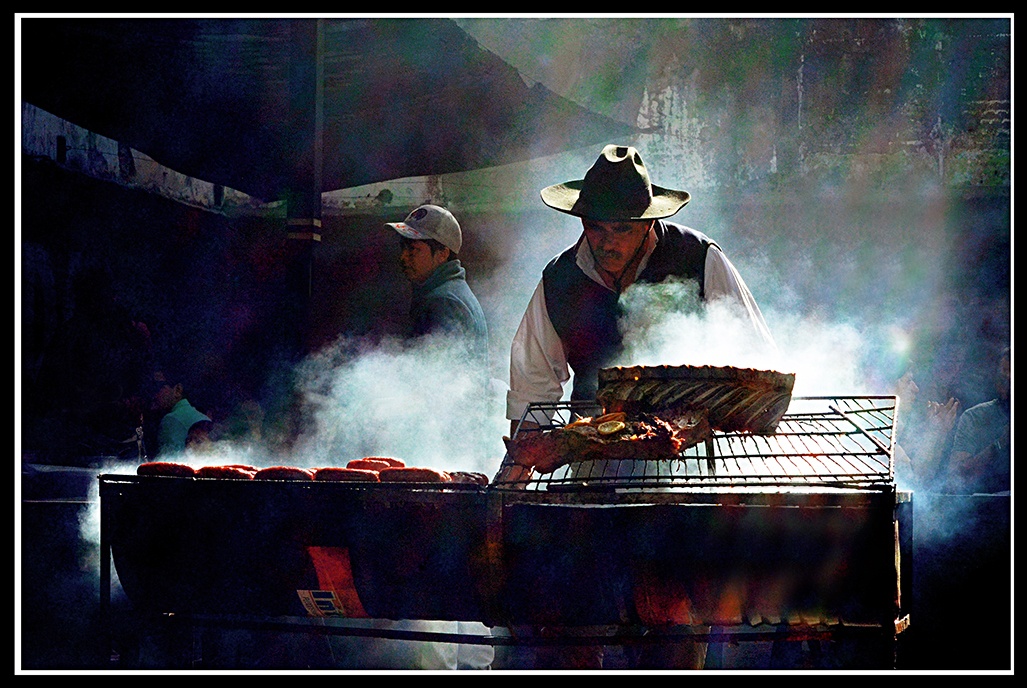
x=839 y=441
x=861 y=424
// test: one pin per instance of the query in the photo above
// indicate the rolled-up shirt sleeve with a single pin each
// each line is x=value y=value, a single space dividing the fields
x=538 y=364
x=724 y=281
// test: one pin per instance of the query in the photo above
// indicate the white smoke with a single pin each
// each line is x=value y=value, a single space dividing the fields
x=419 y=402
x=665 y=325
x=827 y=357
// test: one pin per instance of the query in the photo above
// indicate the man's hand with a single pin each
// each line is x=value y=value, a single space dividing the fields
x=906 y=389
x=943 y=416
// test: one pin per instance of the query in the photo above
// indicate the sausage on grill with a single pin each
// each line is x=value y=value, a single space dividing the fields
x=411 y=474
x=168 y=468
x=284 y=473
x=243 y=467
x=339 y=474
x=368 y=464
x=234 y=472
x=398 y=463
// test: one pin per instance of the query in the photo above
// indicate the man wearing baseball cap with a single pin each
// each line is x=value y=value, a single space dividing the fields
x=443 y=303
x=430 y=241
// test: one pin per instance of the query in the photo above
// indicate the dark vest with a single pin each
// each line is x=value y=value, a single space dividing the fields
x=585 y=314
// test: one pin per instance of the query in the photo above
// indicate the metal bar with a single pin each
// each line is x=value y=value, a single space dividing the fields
x=847 y=416
x=601 y=485
x=559 y=636
x=823 y=441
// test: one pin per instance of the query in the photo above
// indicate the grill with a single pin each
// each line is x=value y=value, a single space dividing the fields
x=795 y=534
x=843 y=442
x=791 y=532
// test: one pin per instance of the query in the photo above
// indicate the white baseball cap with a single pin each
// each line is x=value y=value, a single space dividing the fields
x=431 y=222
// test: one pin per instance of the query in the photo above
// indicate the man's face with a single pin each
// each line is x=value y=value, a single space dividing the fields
x=615 y=243
x=166 y=396
x=417 y=261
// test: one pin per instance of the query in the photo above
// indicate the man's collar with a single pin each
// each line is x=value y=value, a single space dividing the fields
x=444 y=272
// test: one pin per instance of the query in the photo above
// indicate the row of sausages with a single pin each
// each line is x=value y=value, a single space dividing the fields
x=368 y=469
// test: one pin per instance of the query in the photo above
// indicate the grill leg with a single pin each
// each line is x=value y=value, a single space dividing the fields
x=106 y=621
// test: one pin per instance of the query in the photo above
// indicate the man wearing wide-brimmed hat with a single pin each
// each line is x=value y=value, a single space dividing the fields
x=571 y=320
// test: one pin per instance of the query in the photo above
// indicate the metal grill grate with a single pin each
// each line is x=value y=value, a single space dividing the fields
x=839 y=441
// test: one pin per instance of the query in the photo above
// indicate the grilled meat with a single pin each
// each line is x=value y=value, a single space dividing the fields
x=340 y=474
x=469 y=477
x=368 y=464
x=169 y=468
x=284 y=473
x=230 y=472
x=611 y=436
x=399 y=463
x=412 y=474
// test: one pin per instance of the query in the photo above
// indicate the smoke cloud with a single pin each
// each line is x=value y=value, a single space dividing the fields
x=419 y=401
x=665 y=325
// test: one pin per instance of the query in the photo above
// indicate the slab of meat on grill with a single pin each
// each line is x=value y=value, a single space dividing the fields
x=647 y=437
x=737 y=399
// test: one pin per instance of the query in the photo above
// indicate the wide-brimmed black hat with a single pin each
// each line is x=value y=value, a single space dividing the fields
x=616 y=187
